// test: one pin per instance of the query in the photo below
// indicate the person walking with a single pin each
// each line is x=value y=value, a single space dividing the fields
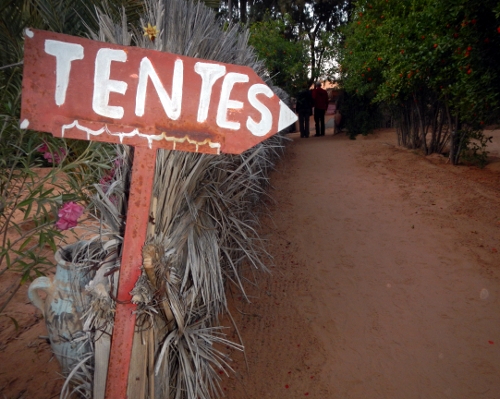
x=304 y=110
x=320 y=102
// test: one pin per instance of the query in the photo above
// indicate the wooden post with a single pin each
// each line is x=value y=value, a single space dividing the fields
x=141 y=187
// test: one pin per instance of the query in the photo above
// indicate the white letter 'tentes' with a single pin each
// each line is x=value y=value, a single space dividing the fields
x=103 y=85
x=172 y=106
x=64 y=53
x=209 y=74
x=225 y=103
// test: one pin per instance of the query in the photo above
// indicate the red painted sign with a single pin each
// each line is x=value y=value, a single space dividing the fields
x=83 y=89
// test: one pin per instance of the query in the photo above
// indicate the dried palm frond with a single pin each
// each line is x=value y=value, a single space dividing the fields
x=204 y=224
x=94 y=265
x=192 y=362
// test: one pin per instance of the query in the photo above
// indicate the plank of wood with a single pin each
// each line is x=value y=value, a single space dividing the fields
x=137 y=376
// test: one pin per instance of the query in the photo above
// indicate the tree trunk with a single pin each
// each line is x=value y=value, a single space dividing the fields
x=456 y=139
x=243 y=11
x=420 y=114
x=313 y=58
x=454 y=129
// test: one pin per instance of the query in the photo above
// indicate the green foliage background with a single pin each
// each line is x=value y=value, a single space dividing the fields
x=285 y=60
x=427 y=59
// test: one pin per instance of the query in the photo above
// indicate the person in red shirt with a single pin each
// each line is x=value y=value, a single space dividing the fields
x=320 y=100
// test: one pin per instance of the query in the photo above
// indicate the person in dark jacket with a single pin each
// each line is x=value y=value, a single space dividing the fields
x=304 y=110
x=320 y=101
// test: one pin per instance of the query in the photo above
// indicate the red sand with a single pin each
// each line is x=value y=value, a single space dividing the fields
x=385 y=285
x=386 y=282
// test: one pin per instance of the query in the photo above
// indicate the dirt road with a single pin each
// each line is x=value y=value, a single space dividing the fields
x=386 y=281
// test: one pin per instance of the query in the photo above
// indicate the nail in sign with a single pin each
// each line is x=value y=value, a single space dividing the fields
x=84 y=89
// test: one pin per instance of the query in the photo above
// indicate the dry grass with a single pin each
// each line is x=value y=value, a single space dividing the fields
x=205 y=222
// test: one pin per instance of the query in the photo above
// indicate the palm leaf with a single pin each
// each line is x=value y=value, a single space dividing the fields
x=212 y=3
x=205 y=223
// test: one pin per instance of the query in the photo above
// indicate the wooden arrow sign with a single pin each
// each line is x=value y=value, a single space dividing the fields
x=83 y=89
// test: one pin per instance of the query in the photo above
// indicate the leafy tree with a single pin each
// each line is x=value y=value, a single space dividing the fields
x=433 y=62
x=314 y=23
x=285 y=60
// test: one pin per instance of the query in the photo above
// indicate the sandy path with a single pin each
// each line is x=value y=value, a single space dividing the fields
x=386 y=281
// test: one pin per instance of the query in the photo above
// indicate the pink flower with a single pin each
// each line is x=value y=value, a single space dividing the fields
x=60 y=154
x=68 y=215
x=106 y=180
x=43 y=148
x=48 y=157
x=55 y=157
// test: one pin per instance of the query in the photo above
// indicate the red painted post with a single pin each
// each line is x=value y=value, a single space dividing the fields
x=139 y=200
